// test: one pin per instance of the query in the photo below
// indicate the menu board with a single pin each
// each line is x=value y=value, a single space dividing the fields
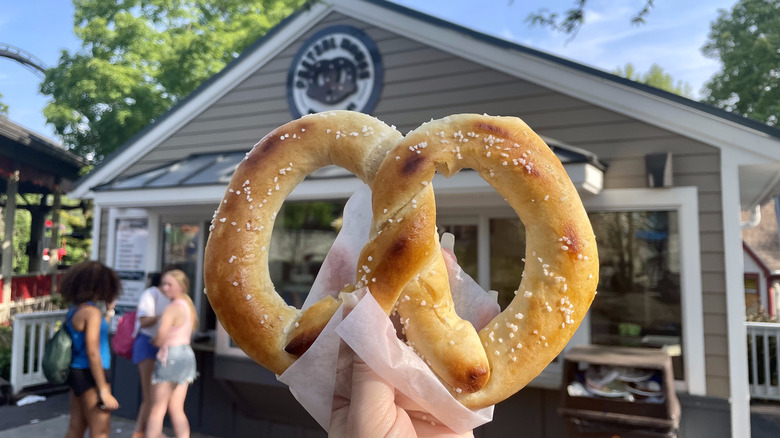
x=130 y=258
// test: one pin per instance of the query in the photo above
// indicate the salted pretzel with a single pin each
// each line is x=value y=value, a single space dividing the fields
x=402 y=264
x=561 y=262
x=238 y=282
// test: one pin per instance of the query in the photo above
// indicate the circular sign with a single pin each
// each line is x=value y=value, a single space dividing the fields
x=337 y=68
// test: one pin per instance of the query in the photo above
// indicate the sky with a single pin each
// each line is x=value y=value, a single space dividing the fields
x=672 y=37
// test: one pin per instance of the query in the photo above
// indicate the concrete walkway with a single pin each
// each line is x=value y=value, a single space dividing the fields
x=56 y=427
x=49 y=419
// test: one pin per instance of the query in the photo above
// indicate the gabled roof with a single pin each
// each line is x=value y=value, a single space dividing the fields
x=755 y=142
x=42 y=161
x=218 y=168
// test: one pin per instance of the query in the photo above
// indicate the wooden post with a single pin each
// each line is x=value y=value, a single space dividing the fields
x=54 y=246
x=9 y=213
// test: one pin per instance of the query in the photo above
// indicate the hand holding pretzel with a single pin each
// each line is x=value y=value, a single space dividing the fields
x=402 y=264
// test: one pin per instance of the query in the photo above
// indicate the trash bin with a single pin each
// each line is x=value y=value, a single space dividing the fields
x=618 y=392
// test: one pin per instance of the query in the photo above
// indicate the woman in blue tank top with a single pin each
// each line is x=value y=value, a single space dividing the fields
x=91 y=401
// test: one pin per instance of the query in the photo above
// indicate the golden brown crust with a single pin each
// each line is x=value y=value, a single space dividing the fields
x=310 y=325
x=402 y=263
x=238 y=283
x=561 y=270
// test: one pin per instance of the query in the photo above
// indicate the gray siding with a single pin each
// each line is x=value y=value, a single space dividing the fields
x=423 y=83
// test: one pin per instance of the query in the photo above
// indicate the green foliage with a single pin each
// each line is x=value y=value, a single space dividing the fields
x=21 y=237
x=6 y=335
x=140 y=57
x=310 y=215
x=3 y=106
x=76 y=234
x=78 y=230
x=656 y=77
x=300 y=219
x=746 y=41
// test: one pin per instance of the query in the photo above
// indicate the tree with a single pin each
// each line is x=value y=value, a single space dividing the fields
x=140 y=57
x=3 y=106
x=574 y=18
x=746 y=41
x=301 y=218
x=656 y=77
x=75 y=222
x=78 y=231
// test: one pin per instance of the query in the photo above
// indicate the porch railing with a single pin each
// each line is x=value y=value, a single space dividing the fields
x=763 y=359
x=31 y=331
x=29 y=293
x=28 y=286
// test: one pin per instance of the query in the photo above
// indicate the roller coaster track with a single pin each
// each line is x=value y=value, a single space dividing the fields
x=23 y=57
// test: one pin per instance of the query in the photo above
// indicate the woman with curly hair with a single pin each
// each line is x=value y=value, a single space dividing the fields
x=91 y=401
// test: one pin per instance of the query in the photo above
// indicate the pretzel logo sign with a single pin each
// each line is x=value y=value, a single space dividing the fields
x=401 y=265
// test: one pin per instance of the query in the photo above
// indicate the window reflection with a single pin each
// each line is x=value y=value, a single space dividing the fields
x=182 y=246
x=302 y=236
x=507 y=252
x=638 y=302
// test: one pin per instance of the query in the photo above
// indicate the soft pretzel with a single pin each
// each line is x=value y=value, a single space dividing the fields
x=402 y=264
x=561 y=264
x=238 y=283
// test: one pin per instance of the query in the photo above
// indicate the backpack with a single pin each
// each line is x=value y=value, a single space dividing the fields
x=122 y=342
x=57 y=355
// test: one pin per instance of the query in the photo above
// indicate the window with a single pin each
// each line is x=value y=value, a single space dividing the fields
x=465 y=231
x=680 y=206
x=649 y=293
x=638 y=302
x=183 y=249
x=753 y=305
x=302 y=236
x=507 y=249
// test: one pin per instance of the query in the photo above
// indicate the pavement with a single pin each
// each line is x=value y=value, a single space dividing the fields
x=765 y=419
x=49 y=418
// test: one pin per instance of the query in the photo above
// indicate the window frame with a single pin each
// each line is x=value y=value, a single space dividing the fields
x=684 y=200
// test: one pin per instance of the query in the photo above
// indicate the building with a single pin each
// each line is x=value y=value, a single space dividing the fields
x=674 y=172
x=761 y=242
x=31 y=164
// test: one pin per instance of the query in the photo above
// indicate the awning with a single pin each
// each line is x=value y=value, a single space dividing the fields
x=583 y=167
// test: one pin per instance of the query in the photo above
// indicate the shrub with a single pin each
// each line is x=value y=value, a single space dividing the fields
x=6 y=334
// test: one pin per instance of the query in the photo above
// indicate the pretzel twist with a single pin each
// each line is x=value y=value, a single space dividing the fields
x=402 y=264
x=561 y=266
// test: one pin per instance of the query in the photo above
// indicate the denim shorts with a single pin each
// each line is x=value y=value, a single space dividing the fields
x=143 y=348
x=179 y=366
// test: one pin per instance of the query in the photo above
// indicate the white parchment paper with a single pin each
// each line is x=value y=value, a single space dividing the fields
x=369 y=332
